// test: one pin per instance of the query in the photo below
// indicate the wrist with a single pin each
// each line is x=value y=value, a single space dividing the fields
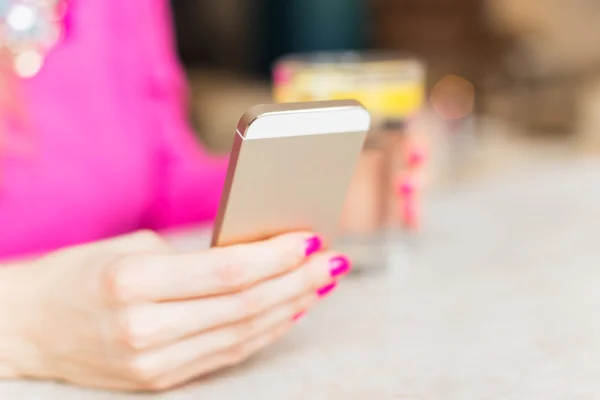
x=18 y=308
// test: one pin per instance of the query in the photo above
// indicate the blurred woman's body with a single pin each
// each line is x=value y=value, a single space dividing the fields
x=107 y=146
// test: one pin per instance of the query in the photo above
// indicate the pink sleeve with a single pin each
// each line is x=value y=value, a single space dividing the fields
x=191 y=179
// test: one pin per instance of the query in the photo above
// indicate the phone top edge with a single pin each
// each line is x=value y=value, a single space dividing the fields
x=300 y=119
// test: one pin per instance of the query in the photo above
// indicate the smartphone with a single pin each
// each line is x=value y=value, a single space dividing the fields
x=290 y=168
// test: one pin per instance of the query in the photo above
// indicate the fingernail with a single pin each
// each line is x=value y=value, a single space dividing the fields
x=313 y=245
x=416 y=157
x=339 y=265
x=325 y=290
x=407 y=188
x=299 y=315
x=281 y=75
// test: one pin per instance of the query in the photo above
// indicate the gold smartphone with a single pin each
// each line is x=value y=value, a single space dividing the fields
x=289 y=170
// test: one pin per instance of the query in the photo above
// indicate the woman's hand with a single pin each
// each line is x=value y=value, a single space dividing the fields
x=386 y=188
x=132 y=313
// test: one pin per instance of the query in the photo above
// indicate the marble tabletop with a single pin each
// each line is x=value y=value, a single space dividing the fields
x=497 y=298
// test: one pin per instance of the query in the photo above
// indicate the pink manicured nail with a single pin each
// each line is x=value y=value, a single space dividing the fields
x=299 y=315
x=313 y=245
x=416 y=157
x=325 y=290
x=339 y=265
x=407 y=188
x=281 y=75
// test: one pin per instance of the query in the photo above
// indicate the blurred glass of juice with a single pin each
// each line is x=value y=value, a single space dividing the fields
x=392 y=88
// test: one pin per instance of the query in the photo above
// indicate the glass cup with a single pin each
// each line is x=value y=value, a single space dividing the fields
x=392 y=88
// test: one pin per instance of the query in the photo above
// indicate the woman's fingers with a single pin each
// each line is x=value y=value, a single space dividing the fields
x=167 y=277
x=408 y=182
x=155 y=362
x=184 y=315
x=230 y=357
x=154 y=324
x=408 y=189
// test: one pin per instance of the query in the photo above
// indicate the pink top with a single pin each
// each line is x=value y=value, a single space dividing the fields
x=113 y=150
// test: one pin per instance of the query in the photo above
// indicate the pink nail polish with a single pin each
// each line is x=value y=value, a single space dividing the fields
x=325 y=290
x=299 y=315
x=313 y=245
x=339 y=265
x=281 y=75
x=407 y=188
x=416 y=157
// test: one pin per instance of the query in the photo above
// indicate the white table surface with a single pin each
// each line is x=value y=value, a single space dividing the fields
x=498 y=298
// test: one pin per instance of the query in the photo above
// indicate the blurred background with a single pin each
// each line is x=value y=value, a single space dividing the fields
x=484 y=87
x=532 y=63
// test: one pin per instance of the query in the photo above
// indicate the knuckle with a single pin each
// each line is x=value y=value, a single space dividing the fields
x=135 y=331
x=248 y=304
x=121 y=274
x=149 y=237
x=231 y=274
x=114 y=276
